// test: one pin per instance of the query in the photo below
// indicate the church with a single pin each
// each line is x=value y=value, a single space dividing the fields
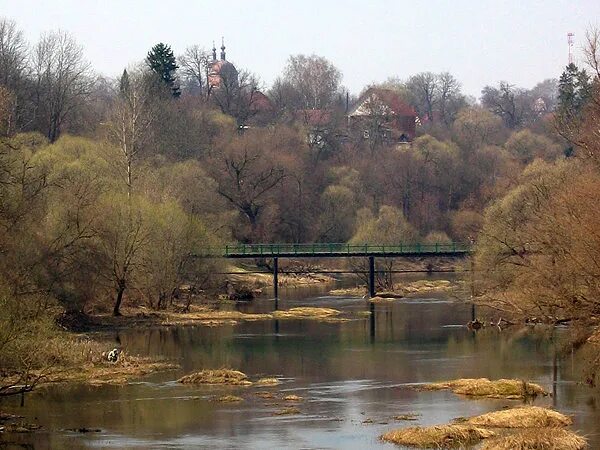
x=220 y=71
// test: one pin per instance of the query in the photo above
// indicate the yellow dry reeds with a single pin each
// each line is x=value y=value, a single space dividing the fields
x=306 y=312
x=358 y=291
x=595 y=337
x=483 y=387
x=538 y=439
x=521 y=417
x=217 y=376
x=441 y=436
x=292 y=398
x=267 y=382
x=408 y=416
x=287 y=412
x=229 y=399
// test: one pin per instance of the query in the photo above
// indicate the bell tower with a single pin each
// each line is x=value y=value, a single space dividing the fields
x=222 y=49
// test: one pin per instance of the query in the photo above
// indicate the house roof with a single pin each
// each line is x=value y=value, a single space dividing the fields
x=314 y=117
x=260 y=102
x=389 y=98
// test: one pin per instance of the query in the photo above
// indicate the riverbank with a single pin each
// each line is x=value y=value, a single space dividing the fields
x=85 y=360
x=205 y=315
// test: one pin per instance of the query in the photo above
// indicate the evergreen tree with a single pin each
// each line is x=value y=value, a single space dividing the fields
x=573 y=91
x=124 y=83
x=162 y=61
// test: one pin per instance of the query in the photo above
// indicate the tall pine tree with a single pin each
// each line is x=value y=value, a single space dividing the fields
x=124 y=83
x=162 y=61
x=573 y=91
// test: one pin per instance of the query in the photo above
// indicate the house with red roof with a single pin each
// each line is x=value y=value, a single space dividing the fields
x=382 y=114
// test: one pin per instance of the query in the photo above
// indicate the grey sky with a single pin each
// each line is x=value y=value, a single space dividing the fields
x=480 y=42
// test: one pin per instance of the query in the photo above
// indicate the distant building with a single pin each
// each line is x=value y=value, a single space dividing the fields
x=221 y=71
x=382 y=114
x=235 y=95
x=319 y=123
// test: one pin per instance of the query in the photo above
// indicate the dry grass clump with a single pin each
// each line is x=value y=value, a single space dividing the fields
x=538 y=439
x=358 y=291
x=595 y=337
x=287 y=412
x=268 y=381
x=264 y=394
x=306 y=312
x=399 y=290
x=229 y=399
x=441 y=436
x=292 y=398
x=217 y=323
x=522 y=417
x=208 y=316
x=20 y=427
x=217 y=376
x=93 y=368
x=424 y=286
x=409 y=416
x=483 y=387
x=379 y=299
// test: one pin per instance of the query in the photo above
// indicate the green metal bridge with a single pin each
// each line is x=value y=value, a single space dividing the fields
x=327 y=250
x=319 y=250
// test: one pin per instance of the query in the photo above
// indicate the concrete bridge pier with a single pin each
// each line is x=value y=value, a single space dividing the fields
x=371 y=276
x=276 y=277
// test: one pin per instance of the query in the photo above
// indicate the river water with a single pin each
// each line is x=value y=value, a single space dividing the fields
x=354 y=378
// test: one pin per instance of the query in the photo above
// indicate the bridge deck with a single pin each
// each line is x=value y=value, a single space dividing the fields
x=320 y=250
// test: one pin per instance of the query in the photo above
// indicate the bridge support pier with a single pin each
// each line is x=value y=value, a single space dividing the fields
x=276 y=277
x=371 y=276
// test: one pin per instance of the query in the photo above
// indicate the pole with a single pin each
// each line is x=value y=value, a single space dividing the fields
x=472 y=289
x=275 y=277
x=372 y=322
x=371 y=276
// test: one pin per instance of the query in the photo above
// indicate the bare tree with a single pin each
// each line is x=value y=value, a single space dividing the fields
x=194 y=64
x=591 y=50
x=423 y=88
x=13 y=54
x=135 y=110
x=449 y=96
x=62 y=80
x=513 y=104
x=284 y=96
x=13 y=75
x=237 y=95
x=247 y=172
x=316 y=80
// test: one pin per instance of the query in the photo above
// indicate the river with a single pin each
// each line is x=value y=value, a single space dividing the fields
x=354 y=378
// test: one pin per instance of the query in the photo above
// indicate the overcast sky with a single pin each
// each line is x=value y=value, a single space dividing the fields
x=480 y=42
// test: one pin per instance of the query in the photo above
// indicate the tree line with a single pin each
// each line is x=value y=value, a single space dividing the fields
x=109 y=184
x=539 y=247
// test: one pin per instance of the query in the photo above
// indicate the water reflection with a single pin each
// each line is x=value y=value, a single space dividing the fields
x=347 y=372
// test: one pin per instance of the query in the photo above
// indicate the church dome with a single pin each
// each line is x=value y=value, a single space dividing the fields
x=221 y=71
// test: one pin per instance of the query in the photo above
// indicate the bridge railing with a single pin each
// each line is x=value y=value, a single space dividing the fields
x=253 y=250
